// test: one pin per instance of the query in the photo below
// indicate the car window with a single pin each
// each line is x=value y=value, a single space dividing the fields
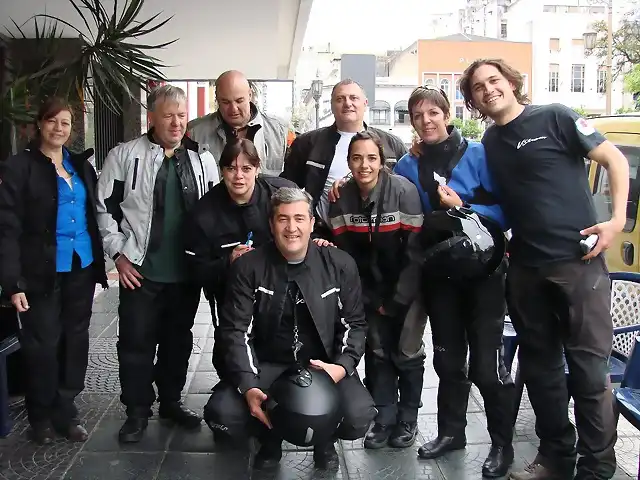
x=602 y=192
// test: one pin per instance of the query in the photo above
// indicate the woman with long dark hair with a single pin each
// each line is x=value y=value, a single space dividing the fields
x=51 y=258
x=377 y=220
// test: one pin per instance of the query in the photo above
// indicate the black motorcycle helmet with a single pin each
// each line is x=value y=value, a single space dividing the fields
x=304 y=406
x=462 y=244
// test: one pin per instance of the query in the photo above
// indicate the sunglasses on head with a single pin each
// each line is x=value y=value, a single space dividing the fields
x=435 y=89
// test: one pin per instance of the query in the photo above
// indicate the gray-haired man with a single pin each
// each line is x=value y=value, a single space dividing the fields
x=284 y=297
x=145 y=190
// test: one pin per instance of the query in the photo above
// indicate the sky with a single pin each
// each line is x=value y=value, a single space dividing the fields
x=371 y=25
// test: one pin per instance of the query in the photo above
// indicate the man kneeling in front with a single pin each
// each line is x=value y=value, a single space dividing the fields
x=290 y=301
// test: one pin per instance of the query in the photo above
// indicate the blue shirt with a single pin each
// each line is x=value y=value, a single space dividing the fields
x=71 y=226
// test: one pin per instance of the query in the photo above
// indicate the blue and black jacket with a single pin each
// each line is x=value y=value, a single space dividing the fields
x=464 y=166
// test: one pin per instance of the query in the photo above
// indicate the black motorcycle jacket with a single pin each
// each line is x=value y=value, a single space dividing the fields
x=255 y=298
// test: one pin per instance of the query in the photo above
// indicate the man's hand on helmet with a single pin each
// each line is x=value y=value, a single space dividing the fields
x=336 y=372
x=255 y=397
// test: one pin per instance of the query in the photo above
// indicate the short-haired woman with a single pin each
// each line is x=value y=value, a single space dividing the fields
x=466 y=317
x=51 y=258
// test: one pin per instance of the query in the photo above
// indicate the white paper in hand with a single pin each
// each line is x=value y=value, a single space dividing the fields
x=441 y=180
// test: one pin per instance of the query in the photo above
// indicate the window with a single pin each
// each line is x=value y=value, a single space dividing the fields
x=554 y=44
x=460 y=112
x=401 y=110
x=554 y=77
x=602 y=193
x=458 y=91
x=427 y=80
x=444 y=85
x=602 y=80
x=578 y=45
x=577 y=78
x=381 y=113
x=503 y=30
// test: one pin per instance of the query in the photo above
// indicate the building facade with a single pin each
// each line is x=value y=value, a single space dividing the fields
x=484 y=18
x=564 y=71
x=441 y=62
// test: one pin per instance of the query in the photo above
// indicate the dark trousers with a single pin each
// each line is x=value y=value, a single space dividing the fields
x=227 y=410
x=469 y=318
x=162 y=315
x=389 y=370
x=219 y=353
x=54 y=340
x=566 y=306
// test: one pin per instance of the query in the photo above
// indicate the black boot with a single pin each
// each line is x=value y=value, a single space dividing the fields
x=498 y=461
x=133 y=429
x=441 y=445
x=42 y=433
x=378 y=436
x=403 y=435
x=269 y=455
x=325 y=456
x=177 y=413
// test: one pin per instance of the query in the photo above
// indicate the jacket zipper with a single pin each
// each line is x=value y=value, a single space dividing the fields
x=135 y=174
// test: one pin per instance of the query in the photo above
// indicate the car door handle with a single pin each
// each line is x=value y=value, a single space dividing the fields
x=628 y=253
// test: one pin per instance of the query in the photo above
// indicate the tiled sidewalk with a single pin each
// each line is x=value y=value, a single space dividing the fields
x=170 y=454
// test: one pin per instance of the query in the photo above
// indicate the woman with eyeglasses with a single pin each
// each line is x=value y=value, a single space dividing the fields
x=465 y=316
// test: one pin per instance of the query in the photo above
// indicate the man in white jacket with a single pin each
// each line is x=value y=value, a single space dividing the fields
x=145 y=191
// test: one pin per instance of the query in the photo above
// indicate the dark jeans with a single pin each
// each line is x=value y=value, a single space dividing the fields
x=469 y=318
x=567 y=306
x=162 y=315
x=227 y=410
x=54 y=340
x=389 y=370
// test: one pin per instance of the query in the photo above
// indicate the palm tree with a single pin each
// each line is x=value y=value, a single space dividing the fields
x=111 y=63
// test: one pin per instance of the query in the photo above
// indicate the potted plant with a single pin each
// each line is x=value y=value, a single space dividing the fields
x=110 y=63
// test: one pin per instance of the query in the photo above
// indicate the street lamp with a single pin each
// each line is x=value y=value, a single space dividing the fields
x=590 y=43
x=316 y=91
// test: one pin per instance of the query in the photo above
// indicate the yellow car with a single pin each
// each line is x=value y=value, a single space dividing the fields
x=624 y=132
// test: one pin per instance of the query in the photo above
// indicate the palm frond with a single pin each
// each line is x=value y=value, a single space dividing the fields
x=112 y=59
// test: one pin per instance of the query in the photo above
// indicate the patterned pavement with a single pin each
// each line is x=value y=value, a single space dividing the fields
x=170 y=454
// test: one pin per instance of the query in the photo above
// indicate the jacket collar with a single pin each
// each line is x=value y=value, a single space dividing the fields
x=186 y=142
x=309 y=261
x=374 y=194
x=33 y=149
x=334 y=127
x=446 y=147
x=255 y=118
x=254 y=196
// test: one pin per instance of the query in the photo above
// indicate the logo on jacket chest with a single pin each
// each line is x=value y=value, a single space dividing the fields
x=364 y=220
